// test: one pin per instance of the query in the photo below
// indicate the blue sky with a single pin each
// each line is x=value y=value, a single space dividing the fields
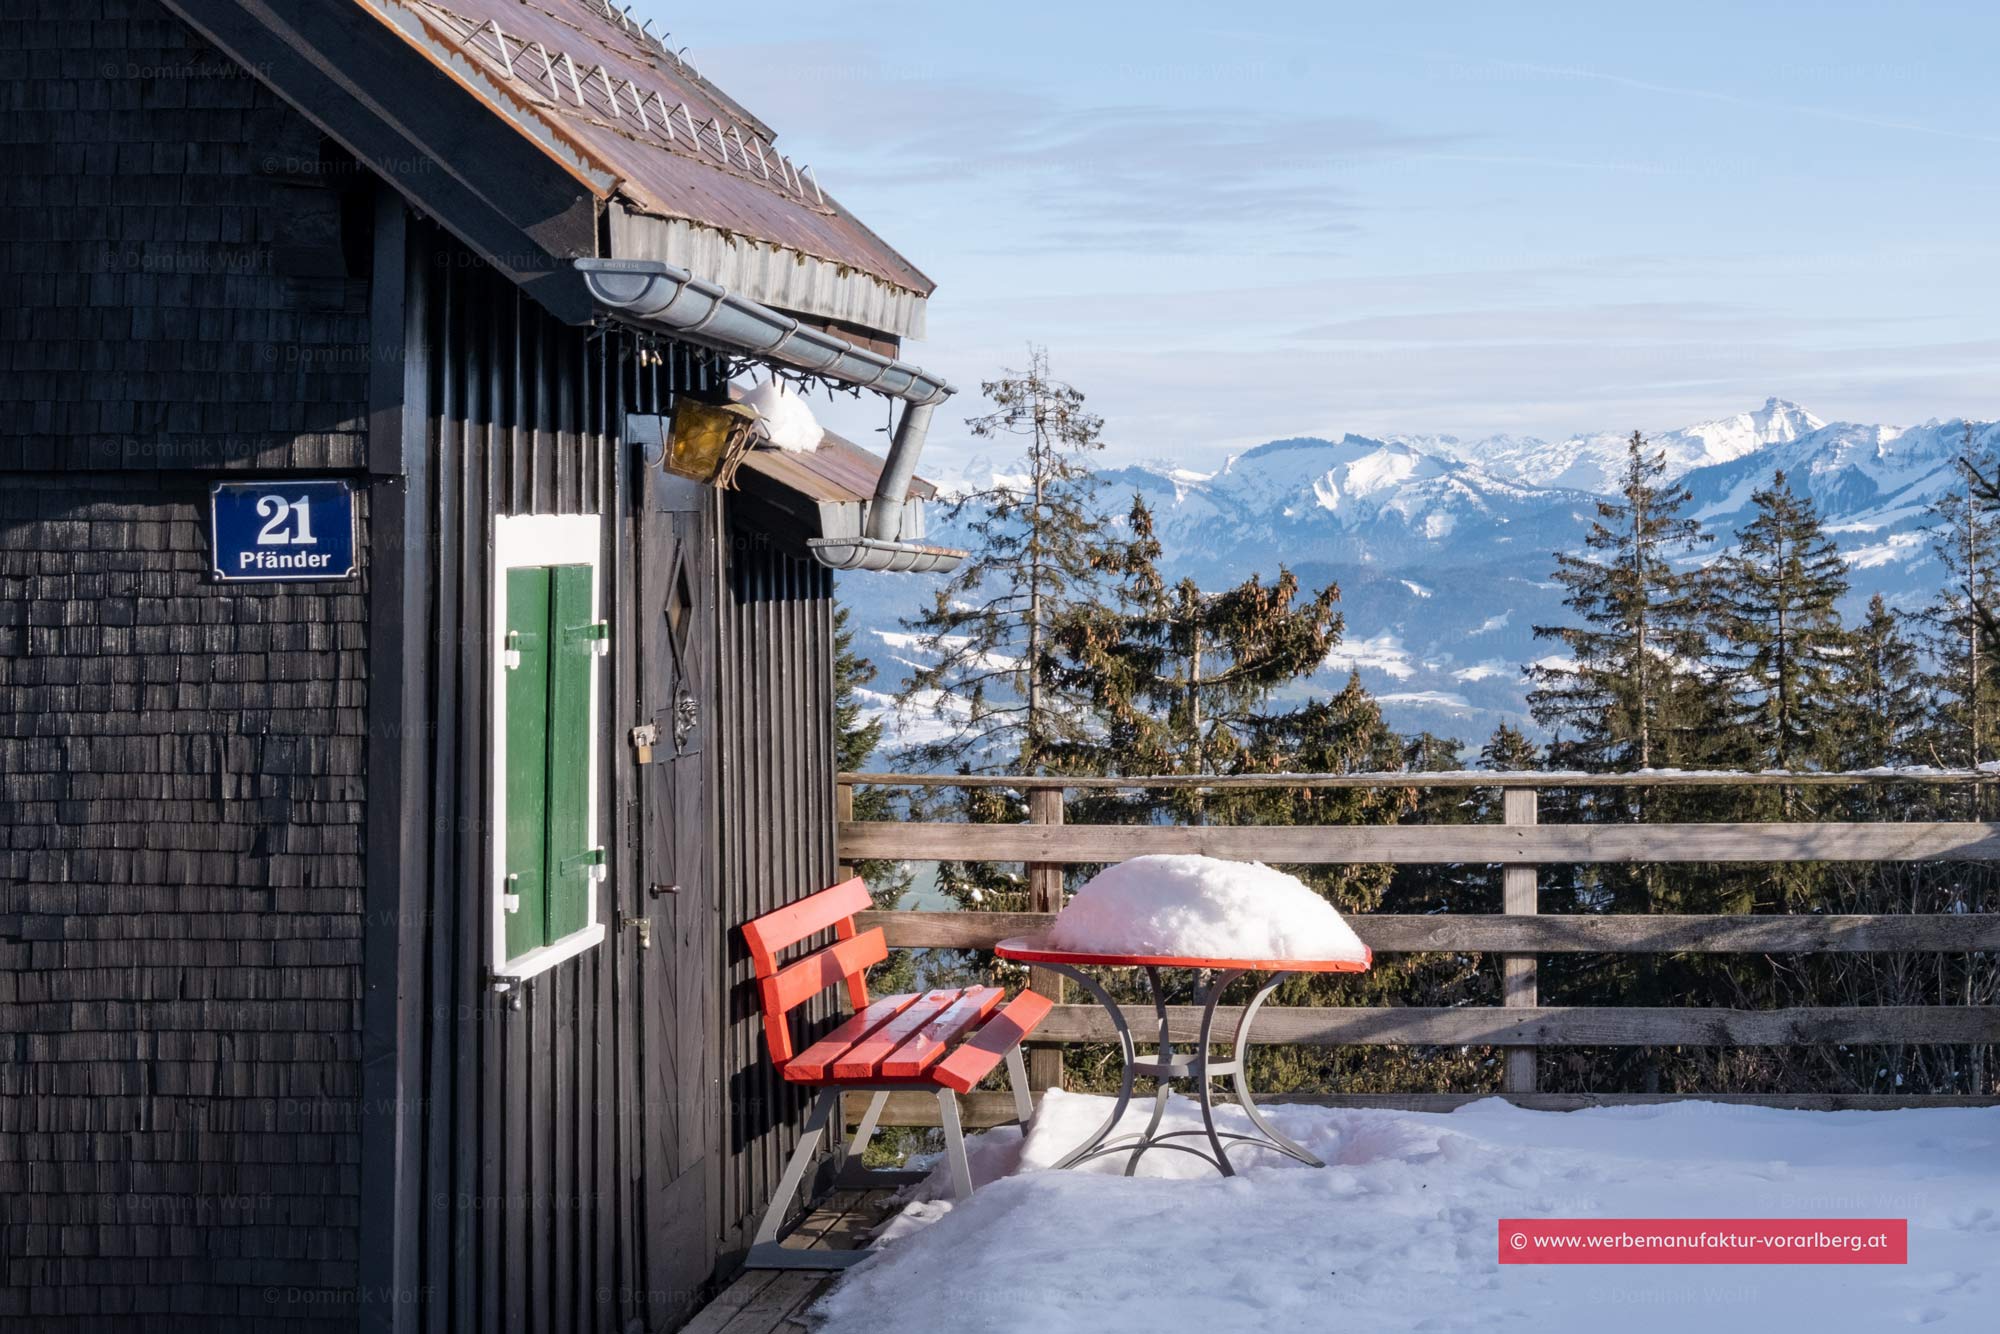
x=1229 y=223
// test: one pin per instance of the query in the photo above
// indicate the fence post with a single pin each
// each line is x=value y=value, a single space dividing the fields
x=843 y=812
x=1517 y=971
x=1045 y=894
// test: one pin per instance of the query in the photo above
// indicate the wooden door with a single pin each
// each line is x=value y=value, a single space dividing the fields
x=679 y=972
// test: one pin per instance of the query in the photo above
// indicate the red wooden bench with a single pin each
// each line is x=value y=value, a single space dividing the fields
x=895 y=1042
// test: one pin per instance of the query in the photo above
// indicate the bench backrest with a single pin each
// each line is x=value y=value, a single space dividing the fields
x=783 y=989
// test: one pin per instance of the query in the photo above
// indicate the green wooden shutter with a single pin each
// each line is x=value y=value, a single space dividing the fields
x=572 y=658
x=527 y=776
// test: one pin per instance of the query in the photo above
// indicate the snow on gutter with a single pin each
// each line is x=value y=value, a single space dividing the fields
x=656 y=294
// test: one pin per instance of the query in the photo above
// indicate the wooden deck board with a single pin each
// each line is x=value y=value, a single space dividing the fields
x=766 y=1301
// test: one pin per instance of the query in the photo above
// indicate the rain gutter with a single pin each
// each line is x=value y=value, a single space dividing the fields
x=655 y=294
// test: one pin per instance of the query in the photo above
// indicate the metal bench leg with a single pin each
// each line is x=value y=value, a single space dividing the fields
x=766 y=1252
x=853 y=1174
x=954 y=1145
x=866 y=1130
x=1017 y=1079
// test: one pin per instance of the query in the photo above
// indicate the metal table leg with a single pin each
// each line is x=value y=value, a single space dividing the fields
x=1164 y=1067
x=1240 y=1075
x=1126 y=1050
x=1162 y=1072
x=1205 y=1073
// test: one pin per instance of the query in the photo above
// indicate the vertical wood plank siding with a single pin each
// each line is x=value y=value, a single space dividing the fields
x=776 y=733
x=534 y=1216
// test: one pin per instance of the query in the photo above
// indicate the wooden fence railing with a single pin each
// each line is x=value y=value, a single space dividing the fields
x=1519 y=845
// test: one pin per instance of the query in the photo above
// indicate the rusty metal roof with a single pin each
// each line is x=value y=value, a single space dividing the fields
x=677 y=146
x=839 y=471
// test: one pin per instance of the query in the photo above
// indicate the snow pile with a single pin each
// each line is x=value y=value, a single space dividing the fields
x=788 y=422
x=1204 y=908
x=1399 y=1230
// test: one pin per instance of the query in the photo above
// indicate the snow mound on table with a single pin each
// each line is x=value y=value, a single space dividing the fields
x=1203 y=908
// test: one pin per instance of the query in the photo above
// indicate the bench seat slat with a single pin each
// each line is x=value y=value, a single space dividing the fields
x=864 y=1059
x=930 y=1042
x=815 y=1063
x=964 y=1068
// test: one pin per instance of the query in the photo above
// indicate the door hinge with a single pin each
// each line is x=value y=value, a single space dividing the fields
x=511 y=900
x=510 y=657
x=594 y=858
x=644 y=737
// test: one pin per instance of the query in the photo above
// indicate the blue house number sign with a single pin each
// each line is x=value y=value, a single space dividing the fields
x=268 y=531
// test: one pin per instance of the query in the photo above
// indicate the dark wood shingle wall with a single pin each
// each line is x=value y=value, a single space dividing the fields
x=182 y=296
x=180 y=922
x=177 y=285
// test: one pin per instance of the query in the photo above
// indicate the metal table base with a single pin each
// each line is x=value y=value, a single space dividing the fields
x=1164 y=1067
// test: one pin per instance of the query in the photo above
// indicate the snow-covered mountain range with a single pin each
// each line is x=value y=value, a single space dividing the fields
x=1442 y=547
x=1593 y=462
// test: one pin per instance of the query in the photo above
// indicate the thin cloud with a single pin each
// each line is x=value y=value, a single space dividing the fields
x=1160 y=175
x=1733 y=99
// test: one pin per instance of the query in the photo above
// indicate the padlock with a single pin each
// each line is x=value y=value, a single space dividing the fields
x=644 y=738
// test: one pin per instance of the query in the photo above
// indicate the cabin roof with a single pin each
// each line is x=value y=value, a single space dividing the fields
x=682 y=151
x=588 y=136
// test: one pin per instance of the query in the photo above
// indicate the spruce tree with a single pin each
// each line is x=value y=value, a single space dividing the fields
x=1181 y=678
x=991 y=696
x=1964 y=680
x=1880 y=690
x=1509 y=750
x=1778 y=634
x=1625 y=699
x=857 y=735
x=990 y=685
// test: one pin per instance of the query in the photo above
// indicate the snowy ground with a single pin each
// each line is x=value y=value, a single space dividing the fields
x=1398 y=1232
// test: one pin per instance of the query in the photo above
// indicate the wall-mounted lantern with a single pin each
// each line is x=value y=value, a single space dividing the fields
x=708 y=440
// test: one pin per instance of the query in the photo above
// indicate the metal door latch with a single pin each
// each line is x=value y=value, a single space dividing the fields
x=644 y=737
x=644 y=926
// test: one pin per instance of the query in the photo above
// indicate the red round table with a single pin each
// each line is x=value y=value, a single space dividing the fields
x=1163 y=1066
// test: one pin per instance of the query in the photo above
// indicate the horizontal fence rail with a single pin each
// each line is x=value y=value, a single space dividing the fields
x=1552 y=1026
x=1432 y=778
x=1392 y=933
x=1517 y=937
x=1426 y=844
x=983 y=1109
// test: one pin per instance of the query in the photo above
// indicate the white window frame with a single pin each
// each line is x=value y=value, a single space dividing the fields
x=521 y=541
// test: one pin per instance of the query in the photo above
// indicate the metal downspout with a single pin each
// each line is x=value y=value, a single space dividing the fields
x=885 y=512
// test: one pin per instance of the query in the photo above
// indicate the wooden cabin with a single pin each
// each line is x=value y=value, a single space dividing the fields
x=390 y=738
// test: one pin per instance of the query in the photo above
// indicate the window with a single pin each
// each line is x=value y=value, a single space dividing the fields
x=547 y=857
